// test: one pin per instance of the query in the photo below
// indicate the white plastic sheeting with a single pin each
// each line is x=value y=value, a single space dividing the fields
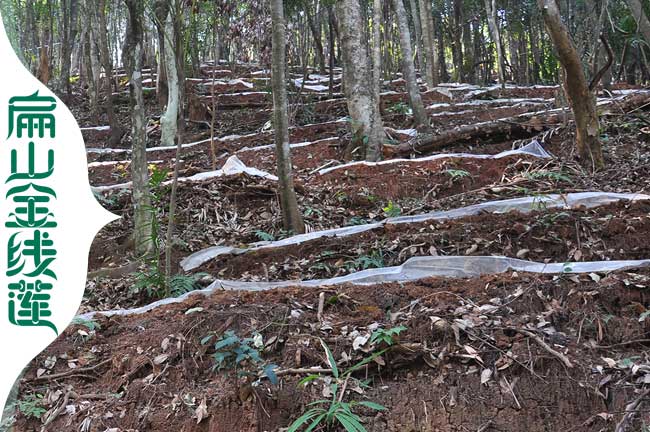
x=233 y=166
x=533 y=148
x=523 y=205
x=413 y=269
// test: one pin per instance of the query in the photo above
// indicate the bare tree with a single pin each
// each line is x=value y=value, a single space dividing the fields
x=291 y=217
x=582 y=101
x=367 y=128
x=132 y=56
x=408 y=68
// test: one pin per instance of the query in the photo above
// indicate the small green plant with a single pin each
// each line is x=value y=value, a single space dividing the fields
x=400 y=108
x=357 y=220
x=386 y=336
x=312 y=211
x=364 y=262
x=181 y=284
x=240 y=354
x=31 y=406
x=327 y=413
x=550 y=175
x=90 y=324
x=392 y=210
x=264 y=236
x=152 y=279
x=457 y=174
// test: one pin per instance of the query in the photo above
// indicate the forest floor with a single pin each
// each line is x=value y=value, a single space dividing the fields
x=494 y=350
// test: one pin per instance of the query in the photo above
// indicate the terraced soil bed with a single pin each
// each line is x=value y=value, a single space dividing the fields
x=498 y=353
x=613 y=232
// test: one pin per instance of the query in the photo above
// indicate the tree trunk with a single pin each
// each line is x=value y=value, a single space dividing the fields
x=426 y=21
x=44 y=61
x=291 y=217
x=161 y=10
x=408 y=69
x=169 y=120
x=583 y=103
x=318 y=42
x=105 y=59
x=495 y=32
x=643 y=24
x=70 y=8
x=418 y=34
x=376 y=53
x=366 y=124
x=90 y=63
x=132 y=57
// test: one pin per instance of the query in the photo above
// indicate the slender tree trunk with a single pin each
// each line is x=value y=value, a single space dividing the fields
x=440 y=36
x=316 y=35
x=105 y=58
x=291 y=217
x=367 y=128
x=132 y=57
x=415 y=15
x=583 y=103
x=169 y=120
x=161 y=9
x=332 y=50
x=419 y=114
x=495 y=32
x=426 y=21
x=69 y=8
x=376 y=53
x=44 y=60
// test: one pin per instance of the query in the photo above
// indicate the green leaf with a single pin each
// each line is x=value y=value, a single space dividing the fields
x=316 y=422
x=349 y=422
x=269 y=371
x=365 y=361
x=372 y=405
x=306 y=380
x=303 y=419
x=206 y=339
x=330 y=359
x=228 y=341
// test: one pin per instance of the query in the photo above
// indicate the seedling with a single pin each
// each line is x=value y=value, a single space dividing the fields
x=550 y=175
x=90 y=324
x=392 y=210
x=364 y=262
x=457 y=174
x=386 y=335
x=240 y=354
x=181 y=284
x=400 y=108
x=264 y=236
x=327 y=413
x=32 y=406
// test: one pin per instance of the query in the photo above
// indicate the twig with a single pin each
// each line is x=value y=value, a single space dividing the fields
x=485 y=426
x=630 y=411
x=302 y=371
x=544 y=345
x=321 y=306
x=71 y=394
x=70 y=372
x=632 y=342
